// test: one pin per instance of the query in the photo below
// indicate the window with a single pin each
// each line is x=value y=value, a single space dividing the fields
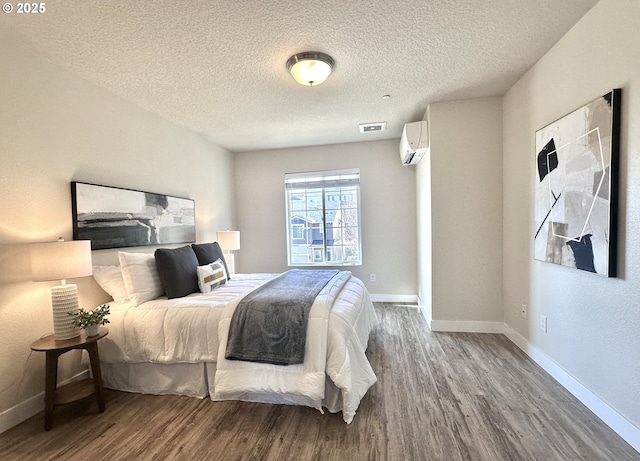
x=297 y=231
x=323 y=218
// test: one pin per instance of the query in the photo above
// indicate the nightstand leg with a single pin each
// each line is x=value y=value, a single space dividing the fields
x=94 y=358
x=51 y=382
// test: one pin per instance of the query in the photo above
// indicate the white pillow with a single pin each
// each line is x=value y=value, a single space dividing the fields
x=211 y=276
x=140 y=276
x=110 y=280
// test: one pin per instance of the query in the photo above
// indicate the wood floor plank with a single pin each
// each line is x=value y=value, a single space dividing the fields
x=439 y=396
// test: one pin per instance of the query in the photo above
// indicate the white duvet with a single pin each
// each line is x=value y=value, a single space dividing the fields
x=194 y=329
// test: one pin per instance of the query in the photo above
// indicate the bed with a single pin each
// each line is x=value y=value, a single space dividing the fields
x=162 y=343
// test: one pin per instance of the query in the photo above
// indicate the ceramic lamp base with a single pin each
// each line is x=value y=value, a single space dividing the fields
x=64 y=300
x=230 y=259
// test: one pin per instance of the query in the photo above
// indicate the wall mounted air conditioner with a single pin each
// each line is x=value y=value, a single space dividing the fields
x=414 y=142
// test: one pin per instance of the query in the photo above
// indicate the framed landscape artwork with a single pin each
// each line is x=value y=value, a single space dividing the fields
x=576 y=187
x=112 y=217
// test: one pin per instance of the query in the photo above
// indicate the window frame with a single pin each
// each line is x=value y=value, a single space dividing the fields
x=314 y=183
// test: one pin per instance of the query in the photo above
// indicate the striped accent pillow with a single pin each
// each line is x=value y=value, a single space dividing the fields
x=211 y=276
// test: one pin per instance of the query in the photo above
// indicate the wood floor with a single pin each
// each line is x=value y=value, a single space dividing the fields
x=439 y=396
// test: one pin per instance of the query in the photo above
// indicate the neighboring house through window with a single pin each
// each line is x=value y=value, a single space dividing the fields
x=323 y=218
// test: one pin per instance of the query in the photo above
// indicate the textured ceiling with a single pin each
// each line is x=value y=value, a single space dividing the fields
x=218 y=67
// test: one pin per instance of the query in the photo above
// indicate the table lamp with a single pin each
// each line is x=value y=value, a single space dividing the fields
x=229 y=241
x=60 y=261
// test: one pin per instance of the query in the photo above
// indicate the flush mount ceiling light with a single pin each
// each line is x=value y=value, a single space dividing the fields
x=310 y=68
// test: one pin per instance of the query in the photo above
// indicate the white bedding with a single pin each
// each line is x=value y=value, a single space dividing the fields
x=193 y=330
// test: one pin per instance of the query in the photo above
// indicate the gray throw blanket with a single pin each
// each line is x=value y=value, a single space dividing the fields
x=269 y=324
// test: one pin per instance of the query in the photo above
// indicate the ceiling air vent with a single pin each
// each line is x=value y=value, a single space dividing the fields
x=372 y=127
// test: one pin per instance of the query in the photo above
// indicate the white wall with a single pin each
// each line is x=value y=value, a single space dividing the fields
x=425 y=237
x=56 y=128
x=593 y=322
x=465 y=175
x=387 y=210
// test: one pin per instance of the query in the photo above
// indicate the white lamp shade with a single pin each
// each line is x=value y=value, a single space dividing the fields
x=229 y=240
x=60 y=260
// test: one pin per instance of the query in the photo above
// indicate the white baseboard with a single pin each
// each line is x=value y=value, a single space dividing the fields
x=618 y=423
x=425 y=314
x=467 y=326
x=21 y=412
x=405 y=299
x=30 y=407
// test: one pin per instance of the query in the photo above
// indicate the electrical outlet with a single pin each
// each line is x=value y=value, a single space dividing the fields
x=523 y=310
x=543 y=323
x=372 y=277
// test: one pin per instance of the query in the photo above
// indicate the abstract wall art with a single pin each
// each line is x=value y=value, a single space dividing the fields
x=576 y=187
x=112 y=217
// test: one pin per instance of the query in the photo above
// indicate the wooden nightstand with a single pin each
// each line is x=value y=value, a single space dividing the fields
x=75 y=390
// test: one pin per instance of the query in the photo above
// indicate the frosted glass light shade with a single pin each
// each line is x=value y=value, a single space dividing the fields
x=229 y=240
x=310 y=68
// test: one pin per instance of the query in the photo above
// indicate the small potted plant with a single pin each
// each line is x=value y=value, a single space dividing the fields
x=90 y=321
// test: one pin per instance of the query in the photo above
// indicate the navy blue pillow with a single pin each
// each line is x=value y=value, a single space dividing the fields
x=178 y=271
x=208 y=253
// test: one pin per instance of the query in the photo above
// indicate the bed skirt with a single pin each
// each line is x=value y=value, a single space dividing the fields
x=188 y=379
x=196 y=380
